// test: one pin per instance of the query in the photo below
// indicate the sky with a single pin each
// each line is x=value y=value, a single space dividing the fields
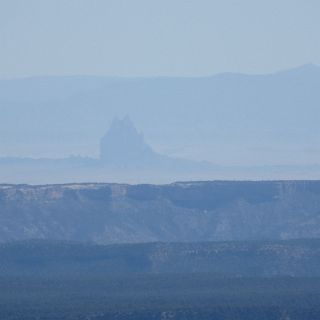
x=156 y=37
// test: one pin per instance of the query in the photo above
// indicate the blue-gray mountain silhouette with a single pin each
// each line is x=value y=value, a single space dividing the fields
x=253 y=126
x=124 y=145
x=233 y=119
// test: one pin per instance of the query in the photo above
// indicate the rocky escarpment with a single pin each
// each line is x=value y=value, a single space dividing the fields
x=188 y=211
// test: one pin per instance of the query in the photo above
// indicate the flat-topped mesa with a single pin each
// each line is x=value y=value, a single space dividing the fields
x=123 y=145
x=179 y=212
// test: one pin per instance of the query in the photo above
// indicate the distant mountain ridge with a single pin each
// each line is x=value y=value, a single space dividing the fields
x=229 y=119
x=47 y=87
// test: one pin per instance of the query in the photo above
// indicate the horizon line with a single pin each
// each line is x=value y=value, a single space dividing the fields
x=137 y=77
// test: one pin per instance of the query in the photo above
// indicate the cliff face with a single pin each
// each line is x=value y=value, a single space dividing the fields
x=195 y=211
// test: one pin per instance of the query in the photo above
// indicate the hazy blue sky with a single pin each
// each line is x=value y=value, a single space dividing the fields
x=156 y=37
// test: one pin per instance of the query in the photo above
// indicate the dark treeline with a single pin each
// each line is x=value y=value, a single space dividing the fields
x=252 y=280
x=298 y=258
x=160 y=296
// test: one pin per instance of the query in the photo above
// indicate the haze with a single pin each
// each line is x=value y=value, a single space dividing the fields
x=230 y=83
x=152 y=38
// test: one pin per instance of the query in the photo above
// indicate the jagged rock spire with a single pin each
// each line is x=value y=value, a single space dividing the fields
x=123 y=144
